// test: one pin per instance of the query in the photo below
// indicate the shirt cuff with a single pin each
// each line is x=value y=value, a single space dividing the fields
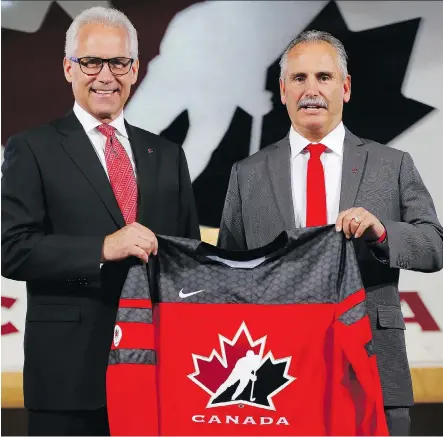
x=381 y=239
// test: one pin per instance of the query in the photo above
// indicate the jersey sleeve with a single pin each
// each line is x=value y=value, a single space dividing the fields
x=131 y=374
x=357 y=381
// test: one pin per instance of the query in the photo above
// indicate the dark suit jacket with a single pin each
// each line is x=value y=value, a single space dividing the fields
x=57 y=208
x=381 y=179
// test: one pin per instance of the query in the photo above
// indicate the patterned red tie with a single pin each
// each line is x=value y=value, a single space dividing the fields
x=315 y=187
x=121 y=174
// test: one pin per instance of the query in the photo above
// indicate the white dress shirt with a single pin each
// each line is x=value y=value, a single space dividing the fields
x=332 y=160
x=98 y=140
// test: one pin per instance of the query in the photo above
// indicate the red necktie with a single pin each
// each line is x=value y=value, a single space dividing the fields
x=121 y=174
x=315 y=187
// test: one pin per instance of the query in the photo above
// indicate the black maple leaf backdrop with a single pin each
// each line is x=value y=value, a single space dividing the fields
x=378 y=60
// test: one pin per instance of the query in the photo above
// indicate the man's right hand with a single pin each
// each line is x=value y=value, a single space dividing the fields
x=132 y=240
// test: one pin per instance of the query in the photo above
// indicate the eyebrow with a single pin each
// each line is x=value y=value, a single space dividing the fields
x=318 y=74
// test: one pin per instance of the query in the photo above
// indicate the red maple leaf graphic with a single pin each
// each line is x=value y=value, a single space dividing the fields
x=8 y=328
x=213 y=370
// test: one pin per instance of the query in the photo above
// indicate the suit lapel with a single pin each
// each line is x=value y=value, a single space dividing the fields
x=354 y=159
x=78 y=146
x=279 y=162
x=145 y=156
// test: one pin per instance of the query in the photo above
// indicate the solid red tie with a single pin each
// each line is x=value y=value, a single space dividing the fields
x=121 y=174
x=315 y=187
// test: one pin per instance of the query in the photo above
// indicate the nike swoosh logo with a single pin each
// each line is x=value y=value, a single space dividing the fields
x=184 y=295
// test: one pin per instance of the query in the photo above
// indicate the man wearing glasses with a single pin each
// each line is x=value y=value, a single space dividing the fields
x=82 y=199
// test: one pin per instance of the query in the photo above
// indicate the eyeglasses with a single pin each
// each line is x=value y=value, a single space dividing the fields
x=90 y=65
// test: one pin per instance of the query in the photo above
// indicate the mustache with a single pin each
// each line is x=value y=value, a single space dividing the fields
x=312 y=101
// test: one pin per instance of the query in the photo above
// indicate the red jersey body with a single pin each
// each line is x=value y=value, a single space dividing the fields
x=273 y=341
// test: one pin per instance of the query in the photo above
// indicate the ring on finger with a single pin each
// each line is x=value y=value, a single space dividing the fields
x=357 y=219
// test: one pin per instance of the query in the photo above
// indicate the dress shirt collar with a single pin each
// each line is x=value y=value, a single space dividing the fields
x=333 y=141
x=89 y=122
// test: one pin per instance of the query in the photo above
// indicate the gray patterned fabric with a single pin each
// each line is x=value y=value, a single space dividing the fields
x=302 y=266
x=354 y=314
x=132 y=356
x=136 y=285
x=384 y=181
x=369 y=346
x=138 y=315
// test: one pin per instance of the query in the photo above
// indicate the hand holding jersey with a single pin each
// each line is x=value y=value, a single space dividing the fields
x=132 y=240
x=359 y=222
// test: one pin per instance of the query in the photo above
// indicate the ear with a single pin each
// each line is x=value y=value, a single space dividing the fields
x=134 y=70
x=67 y=68
x=347 y=89
x=282 y=91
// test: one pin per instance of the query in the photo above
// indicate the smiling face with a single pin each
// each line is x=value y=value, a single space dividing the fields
x=313 y=89
x=103 y=95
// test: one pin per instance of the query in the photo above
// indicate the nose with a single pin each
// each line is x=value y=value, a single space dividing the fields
x=311 y=87
x=105 y=75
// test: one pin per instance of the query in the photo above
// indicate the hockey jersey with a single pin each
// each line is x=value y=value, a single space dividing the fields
x=271 y=341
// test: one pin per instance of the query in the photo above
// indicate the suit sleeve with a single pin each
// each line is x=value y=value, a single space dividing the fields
x=30 y=251
x=415 y=243
x=232 y=234
x=188 y=221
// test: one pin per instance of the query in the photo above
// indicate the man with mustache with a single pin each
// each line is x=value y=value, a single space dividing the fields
x=320 y=174
x=82 y=199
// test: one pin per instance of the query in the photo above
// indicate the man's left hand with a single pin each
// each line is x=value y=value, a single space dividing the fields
x=359 y=222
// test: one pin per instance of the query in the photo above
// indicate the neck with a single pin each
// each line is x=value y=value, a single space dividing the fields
x=315 y=135
x=106 y=117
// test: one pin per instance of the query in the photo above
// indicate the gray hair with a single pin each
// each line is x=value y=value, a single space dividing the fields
x=100 y=15
x=315 y=36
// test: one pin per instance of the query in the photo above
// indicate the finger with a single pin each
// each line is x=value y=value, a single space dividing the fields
x=139 y=253
x=146 y=244
x=364 y=225
x=354 y=225
x=152 y=239
x=143 y=229
x=139 y=229
x=134 y=226
x=360 y=213
x=155 y=251
x=146 y=237
x=361 y=229
x=339 y=221
x=347 y=219
x=359 y=216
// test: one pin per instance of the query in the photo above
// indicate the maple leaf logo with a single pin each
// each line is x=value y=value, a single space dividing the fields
x=241 y=374
x=370 y=106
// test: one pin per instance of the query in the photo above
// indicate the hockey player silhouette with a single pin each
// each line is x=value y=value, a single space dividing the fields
x=245 y=370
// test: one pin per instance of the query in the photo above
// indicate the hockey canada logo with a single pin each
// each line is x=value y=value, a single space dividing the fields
x=241 y=374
